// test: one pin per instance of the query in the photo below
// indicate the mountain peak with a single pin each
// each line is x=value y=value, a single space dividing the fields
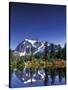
x=30 y=41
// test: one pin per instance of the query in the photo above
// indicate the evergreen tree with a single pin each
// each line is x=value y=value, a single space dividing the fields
x=64 y=52
x=46 y=50
x=59 y=53
x=52 y=52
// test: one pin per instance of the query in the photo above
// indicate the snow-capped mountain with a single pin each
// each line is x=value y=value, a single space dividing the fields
x=27 y=47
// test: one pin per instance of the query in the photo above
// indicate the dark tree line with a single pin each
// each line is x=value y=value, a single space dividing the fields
x=59 y=53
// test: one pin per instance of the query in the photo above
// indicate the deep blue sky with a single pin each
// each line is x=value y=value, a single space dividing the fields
x=32 y=21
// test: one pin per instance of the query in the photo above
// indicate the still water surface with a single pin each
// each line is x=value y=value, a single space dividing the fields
x=17 y=81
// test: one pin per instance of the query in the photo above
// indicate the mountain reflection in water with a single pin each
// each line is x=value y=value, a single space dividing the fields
x=38 y=78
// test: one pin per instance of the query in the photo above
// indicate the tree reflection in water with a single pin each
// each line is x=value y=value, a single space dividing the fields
x=61 y=73
x=52 y=73
x=46 y=76
x=31 y=74
x=59 y=70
